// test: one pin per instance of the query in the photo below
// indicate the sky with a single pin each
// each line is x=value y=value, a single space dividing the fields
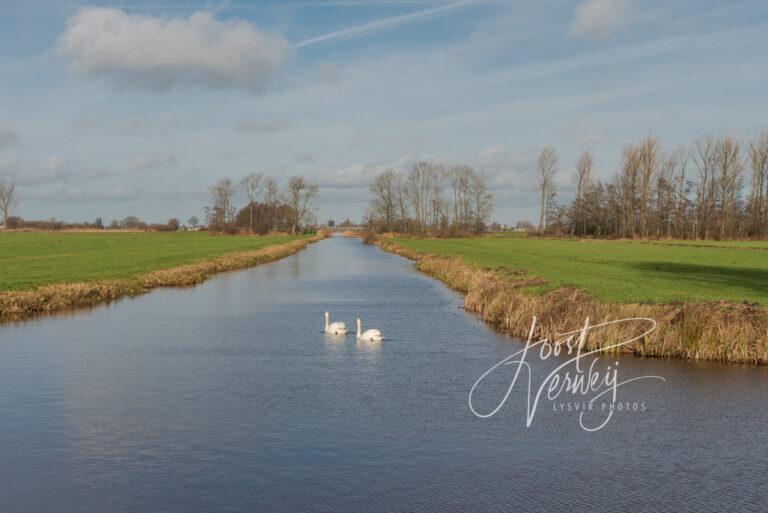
x=109 y=109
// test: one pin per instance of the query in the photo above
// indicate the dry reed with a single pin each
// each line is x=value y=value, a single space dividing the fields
x=718 y=331
x=63 y=296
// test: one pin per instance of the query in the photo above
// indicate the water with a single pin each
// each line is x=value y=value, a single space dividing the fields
x=228 y=397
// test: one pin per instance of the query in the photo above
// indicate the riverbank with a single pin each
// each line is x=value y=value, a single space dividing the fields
x=55 y=297
x=508 y=299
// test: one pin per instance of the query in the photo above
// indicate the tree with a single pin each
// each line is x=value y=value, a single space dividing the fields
x=131 y=223
x=193 y=222
x=173 y=224
x=423 y=191
x=547 y=169
x=706 y=193
x=220 y=212
x=271 y=191
x=482 y=199
x=271 y=196
x=300 y=195
x=758 y=203
x=459 y=178
x=415 y=202
x=384 y=192
x=250 y=185
x=729 y=166
x=648 y=152
x=582 y=180
x=9 y=200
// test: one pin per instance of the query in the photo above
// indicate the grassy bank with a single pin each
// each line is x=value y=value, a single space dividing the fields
x=49 y=272
x=620 y=271
x=694 y=292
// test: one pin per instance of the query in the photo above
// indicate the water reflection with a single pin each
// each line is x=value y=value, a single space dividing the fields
x=368 y=346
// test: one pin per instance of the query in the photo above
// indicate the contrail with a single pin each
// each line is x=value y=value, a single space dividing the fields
x=384 y=23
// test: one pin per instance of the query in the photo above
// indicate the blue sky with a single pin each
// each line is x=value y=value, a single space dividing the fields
x=116 y=108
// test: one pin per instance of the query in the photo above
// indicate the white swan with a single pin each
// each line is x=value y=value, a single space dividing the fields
x=371 y=334
x=335 y=328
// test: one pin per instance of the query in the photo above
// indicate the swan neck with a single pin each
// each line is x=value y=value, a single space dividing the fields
x=326 y=320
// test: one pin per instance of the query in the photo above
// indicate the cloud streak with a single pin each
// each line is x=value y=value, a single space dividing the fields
x=386 y=23
x=682 y=44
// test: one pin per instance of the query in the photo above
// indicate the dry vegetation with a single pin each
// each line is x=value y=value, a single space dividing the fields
x=718 y=331
x=53 y=298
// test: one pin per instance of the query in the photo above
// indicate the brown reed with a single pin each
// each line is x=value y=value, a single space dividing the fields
x=718 y=331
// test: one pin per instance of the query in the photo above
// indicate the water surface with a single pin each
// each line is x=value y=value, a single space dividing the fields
x=228 y=397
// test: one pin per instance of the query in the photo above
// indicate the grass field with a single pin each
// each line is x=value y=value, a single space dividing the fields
x=622 y=271
x=29 y=260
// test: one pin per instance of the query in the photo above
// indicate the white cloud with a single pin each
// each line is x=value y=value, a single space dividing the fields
x=601 y=18
x=160 y=53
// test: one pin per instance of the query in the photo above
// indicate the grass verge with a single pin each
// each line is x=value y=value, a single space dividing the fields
x=18 y=304
x=712 y=330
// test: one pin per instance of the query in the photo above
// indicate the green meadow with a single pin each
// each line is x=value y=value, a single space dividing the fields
x=28 y=260
x=622 y=271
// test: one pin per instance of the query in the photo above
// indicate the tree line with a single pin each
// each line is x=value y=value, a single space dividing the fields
x=430 y=198
x=694 y=192
x=269 y=208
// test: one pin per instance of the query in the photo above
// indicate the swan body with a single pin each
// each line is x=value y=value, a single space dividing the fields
x=335 y=328
x=372 y=334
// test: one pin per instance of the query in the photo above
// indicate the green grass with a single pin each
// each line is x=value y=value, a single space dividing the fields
x=28 y=260
x=623 y=271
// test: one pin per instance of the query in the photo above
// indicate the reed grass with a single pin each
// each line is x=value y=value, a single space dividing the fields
x=717 y=331
x=18 y=304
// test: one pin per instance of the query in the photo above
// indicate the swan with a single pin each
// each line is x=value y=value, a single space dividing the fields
x=371 y=334
x=335 y=328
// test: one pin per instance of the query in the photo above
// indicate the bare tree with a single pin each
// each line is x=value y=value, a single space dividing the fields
x=758 y=204
x=482 y=199
x=250 y=184
x=705 y=159
x=384 y=192
x=729 y=167
x=271 y=198
x=582 y=180
x=220 y=211
x=299 y=195
x=547 y=169
x=627 y=187
x=193 y=222
x=648 y=162
x=9 y=200
x=401 y=195
x=271 y=191
x=459 y=179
